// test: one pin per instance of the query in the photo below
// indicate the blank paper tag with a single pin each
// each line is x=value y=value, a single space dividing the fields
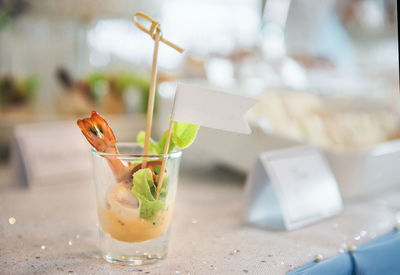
x=211 y=108
x=291 y=188
x=48 y=153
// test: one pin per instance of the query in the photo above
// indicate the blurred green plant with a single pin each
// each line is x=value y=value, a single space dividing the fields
x=16 y=92
x=121 y=82
x=108 y=90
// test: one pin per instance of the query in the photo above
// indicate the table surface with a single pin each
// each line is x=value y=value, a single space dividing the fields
x=55 y=230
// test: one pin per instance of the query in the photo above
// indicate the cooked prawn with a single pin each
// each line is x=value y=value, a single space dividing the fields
x=101 y=137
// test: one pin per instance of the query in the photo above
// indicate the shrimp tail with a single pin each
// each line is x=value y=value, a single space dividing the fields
x=98 y=133
x=101 y=137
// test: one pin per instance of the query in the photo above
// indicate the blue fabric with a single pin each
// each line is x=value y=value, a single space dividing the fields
x=379 y=256
x=340 y=265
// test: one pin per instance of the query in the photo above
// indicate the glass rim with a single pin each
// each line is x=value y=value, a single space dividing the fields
x=175 y=154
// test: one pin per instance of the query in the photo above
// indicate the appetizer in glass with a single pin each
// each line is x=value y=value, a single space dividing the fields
x=134 y=207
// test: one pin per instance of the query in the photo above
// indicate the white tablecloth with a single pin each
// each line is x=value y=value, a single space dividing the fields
x=55 y=230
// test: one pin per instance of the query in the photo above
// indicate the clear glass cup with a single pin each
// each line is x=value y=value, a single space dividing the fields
x=132 y=230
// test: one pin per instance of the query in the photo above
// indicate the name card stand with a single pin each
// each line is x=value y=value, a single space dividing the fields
x=49 y=153
x=291 y=188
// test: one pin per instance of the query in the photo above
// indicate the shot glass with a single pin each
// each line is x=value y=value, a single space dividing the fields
x=134 y=228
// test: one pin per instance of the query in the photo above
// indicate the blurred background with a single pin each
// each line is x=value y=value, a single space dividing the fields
x=326 y=72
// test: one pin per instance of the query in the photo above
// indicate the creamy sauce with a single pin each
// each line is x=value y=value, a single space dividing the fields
x=119 y=217
x=133 y=229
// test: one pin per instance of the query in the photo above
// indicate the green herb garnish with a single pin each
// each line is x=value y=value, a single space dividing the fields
x=144 y=189
x=183 y=135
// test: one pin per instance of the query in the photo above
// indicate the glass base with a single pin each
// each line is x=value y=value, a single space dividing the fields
x=133 y=254
x=132 y=260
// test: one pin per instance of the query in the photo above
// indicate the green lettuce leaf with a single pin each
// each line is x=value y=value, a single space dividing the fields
x=164 y=188
x=150 y=209
x=163 y=140
x=143 y=184
x=184 y=134
x=153 y=146
x=144 y=189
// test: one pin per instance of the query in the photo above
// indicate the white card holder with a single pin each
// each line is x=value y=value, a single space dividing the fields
x=291 y=188
x=49 y=153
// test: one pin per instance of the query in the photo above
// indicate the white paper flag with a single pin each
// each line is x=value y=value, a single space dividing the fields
x=211 y=108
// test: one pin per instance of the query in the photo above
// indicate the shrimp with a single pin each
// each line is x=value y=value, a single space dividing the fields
x=101 y=137
x=120 y=200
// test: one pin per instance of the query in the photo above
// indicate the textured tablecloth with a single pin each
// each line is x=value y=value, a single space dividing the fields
x=55 y=231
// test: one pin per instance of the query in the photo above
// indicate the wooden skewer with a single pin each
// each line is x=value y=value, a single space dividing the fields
x=150 y=105
x=154 y=26
x=155 y=32
x=164 y=161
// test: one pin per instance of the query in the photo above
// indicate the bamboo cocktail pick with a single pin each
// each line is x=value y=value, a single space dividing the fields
x=164 y=161
x=155 y=32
